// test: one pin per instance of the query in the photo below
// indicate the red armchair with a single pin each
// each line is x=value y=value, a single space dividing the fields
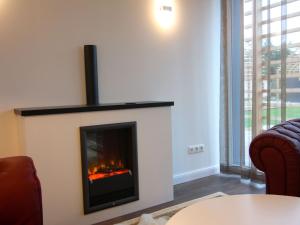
x=276 y=152
x=20 y=192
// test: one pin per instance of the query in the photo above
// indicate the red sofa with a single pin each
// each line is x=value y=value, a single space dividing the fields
x=276 y=152
x=20 y=192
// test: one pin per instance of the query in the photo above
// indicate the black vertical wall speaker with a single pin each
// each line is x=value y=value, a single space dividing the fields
x=91 y=74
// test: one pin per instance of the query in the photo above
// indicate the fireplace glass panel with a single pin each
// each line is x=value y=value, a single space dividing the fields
x=109 y=156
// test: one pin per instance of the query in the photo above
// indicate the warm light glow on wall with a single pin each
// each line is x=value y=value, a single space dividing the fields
x=1 y=3
x=165 y=13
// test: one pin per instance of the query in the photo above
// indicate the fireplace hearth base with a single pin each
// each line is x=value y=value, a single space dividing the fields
x=56 y=152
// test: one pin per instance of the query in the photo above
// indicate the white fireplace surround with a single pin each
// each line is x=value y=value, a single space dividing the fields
x=53 y=142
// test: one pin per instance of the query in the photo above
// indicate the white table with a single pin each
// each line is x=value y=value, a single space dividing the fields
x=241 y=210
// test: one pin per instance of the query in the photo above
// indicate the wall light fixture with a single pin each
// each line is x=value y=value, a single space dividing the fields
x=165 y=13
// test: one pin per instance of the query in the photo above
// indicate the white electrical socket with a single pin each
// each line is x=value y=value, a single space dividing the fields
x=190 y=149
x=202 y=146
x=194 y=149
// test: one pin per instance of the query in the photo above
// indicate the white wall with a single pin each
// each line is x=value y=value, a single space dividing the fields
x=41 y=64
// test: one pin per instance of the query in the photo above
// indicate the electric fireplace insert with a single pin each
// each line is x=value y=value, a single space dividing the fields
x=109 y=165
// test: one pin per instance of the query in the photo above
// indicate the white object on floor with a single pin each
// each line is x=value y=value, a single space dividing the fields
x=160 y=217
x=147 y=219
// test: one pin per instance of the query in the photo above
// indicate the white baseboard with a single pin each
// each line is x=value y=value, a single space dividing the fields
x=195 y=174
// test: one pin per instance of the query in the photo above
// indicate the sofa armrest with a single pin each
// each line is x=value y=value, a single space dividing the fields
x=276 y=152
x=20 y=192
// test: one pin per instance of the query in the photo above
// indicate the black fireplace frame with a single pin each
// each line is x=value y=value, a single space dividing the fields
x=86 y=197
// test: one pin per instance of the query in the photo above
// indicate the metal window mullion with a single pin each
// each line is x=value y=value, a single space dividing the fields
x=255 y=113
x=283 y=58
x=226 y=30
x=257 y=75
x=269 y=68
x=254 y=95
x=230 y=152
x=242 y=91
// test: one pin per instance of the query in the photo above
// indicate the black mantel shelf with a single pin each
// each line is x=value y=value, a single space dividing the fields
x=88 y=108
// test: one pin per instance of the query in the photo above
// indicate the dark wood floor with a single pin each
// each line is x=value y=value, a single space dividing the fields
x=198 y=188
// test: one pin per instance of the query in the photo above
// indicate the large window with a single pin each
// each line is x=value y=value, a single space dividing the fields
x=271 y=38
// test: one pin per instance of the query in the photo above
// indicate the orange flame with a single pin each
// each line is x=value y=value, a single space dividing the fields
x=103 y=171
x=97 y=176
